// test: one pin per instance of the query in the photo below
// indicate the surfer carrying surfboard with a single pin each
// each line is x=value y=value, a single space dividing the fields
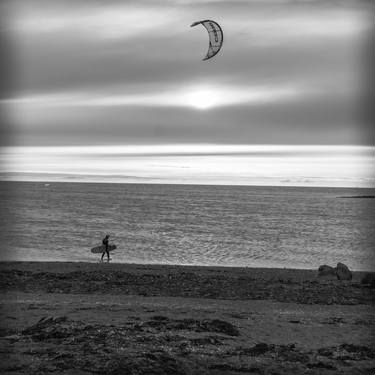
x=106 y=243
x=105 y=247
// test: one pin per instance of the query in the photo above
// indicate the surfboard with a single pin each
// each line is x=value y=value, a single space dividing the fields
x=101 y=249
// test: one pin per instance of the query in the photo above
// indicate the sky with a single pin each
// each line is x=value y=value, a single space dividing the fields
x=109 y=76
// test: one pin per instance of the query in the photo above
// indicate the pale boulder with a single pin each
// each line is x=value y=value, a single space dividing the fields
x=343 y=272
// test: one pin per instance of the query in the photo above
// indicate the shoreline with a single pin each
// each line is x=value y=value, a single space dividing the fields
x=65 y=266
x=159 y=265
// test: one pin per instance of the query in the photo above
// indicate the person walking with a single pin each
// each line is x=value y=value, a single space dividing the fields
x=106 y=243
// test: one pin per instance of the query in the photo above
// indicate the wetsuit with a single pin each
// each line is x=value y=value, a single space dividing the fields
x=105 y=242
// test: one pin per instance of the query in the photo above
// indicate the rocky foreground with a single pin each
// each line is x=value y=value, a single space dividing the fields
x=75 y=318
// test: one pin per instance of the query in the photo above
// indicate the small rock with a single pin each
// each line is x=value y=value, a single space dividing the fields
x=325 y=270
x=324 y=365
x=258 y=349
x=343 y=272
x=219 y=326
x=13 y=338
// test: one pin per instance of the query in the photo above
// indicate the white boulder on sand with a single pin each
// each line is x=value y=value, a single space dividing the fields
x=343 y=272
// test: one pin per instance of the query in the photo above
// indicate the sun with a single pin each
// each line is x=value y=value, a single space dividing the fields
x=202 y=99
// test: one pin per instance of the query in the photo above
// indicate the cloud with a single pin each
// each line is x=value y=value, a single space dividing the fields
x=126 y=20
x=171 y=51
x=99 y=22
x=319 y=121
x=194 y=96
x=286 y=69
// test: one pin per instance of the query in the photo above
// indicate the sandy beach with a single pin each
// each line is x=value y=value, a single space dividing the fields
x=83 y=318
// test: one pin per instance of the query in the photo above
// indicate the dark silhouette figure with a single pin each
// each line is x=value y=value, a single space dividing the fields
x=106 y=243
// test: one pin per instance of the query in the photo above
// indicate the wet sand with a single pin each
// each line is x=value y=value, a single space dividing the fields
x=83 y=318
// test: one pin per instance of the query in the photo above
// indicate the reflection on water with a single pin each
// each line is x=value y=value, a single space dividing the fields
x=181 y=224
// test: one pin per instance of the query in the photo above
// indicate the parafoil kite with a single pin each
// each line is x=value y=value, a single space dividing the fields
x=216 y=37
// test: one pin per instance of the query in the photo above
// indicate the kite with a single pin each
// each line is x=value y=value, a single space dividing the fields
x=216 y=37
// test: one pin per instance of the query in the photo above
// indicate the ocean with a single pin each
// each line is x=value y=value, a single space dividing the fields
x=249 y=226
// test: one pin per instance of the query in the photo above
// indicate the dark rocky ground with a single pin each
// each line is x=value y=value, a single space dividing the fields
x=280 y=285
x=162 y=345
x=111 y=319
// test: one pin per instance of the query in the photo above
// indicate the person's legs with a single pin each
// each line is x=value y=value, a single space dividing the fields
x=102 y=256
x=107 y=251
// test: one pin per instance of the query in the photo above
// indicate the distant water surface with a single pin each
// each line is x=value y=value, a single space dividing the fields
x=187 y=224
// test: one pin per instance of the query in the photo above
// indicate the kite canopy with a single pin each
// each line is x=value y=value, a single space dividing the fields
x=215 y=37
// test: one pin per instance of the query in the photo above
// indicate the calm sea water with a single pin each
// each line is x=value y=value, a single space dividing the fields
x=181 y=224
